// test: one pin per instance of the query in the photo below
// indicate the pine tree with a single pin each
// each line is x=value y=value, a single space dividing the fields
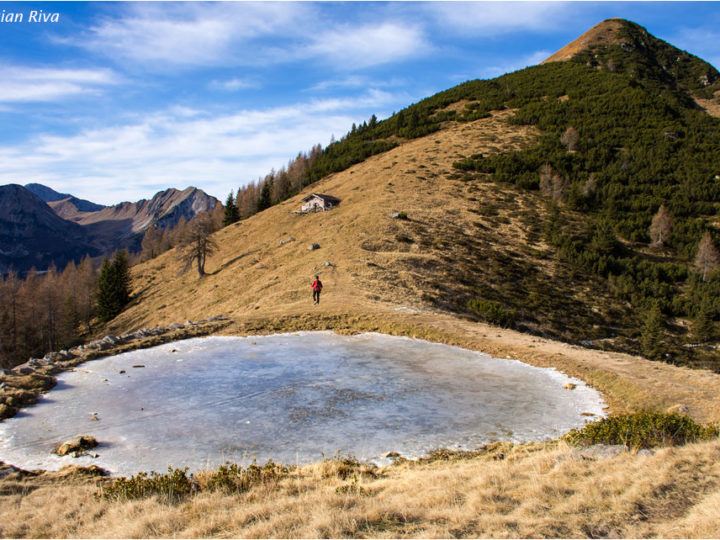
x=265 y=199
x=113 y=291
x=231 y=211
x=702 y=328
x=652 y=334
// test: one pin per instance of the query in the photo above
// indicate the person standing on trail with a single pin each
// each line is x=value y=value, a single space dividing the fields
x=316 y=287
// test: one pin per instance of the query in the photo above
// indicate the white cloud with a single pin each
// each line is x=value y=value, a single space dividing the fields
x=370 y=45
x=497 y=18
x=514 y=64
x=179 y=147
x=189 y=34
x=24 y=84
x=232 y=85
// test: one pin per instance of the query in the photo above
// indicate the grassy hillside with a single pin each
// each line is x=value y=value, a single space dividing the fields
x=485 y=236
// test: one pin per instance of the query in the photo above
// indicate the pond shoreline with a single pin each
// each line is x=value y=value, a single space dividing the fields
x=626 y=383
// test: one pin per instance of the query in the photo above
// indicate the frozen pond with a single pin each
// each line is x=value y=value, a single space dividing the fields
x=292 y=398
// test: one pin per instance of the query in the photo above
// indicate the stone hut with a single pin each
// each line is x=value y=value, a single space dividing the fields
x=317 y=202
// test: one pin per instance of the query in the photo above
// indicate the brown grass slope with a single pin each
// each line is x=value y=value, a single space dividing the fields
x=604 y=33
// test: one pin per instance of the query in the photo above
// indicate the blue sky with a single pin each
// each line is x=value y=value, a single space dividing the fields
x=117 y=101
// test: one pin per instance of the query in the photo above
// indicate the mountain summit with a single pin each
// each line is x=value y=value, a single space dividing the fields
x=617 y=45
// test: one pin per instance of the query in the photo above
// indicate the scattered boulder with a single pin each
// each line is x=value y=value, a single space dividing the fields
x=286 y=240
x=24 y=370
x=76 y=446
x=175 y=326
x=680 y=409
x=602 y=451
x=313 y=246
x=327 y=263
x=6 y=411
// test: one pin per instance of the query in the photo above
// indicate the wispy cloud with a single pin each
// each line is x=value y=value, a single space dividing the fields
x=497 y=18
x=232 y=85
x=186 y=36
x=514 y=64
x=26 y=84
x=370 y=45
x=358 y=81
x=179 y=147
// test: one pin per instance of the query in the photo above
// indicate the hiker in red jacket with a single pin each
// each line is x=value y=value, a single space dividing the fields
x=316 y=287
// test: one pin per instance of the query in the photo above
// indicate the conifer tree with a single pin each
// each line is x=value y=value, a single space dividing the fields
x=702 y=328
x=113 y=291
x=231 y=211
x=652 y=334
x=265 y=199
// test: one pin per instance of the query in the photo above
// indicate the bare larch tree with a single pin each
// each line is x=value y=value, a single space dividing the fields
x=570 y=139
x=660 y=227
x=707 y=256
x=196 y=243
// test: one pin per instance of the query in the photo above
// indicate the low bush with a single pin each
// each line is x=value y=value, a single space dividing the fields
x=234 y=479
x=174 y=484
x=177 y=483
x=643 y=430
x=493 y=312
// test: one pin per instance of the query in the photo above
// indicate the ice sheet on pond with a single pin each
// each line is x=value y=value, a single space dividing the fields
x=293 y=398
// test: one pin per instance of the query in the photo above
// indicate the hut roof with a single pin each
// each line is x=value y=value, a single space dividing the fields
x=327 y=198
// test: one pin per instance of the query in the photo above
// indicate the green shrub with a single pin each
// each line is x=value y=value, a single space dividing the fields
x=233 y=478
x=642 y=430
x=173 y=485
x=176 y=483
x=493 y=312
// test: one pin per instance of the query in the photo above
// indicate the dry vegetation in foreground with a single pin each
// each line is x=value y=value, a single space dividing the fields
x=530 y=490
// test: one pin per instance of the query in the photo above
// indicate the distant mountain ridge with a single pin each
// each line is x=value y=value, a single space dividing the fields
x=39 y=226
x=50 y=195
x=32 y=235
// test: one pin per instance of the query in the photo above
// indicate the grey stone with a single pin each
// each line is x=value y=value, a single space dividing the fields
x=313 y=246
x=395 y=215
x=602 y=451
x=24 y=370
x=175 y=326
x=327 y=263
x=287 y=240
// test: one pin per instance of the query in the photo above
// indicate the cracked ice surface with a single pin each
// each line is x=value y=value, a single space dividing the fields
x=292 y=398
